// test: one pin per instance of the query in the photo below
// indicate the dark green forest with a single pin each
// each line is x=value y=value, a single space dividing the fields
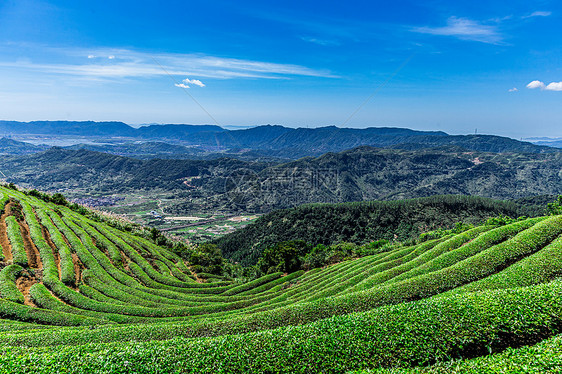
x=363 y=222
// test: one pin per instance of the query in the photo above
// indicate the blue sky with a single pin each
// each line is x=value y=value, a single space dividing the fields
x=495 y=66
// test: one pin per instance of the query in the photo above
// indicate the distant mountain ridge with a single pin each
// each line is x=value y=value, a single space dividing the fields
x=275 y=140
x=82 y=128
x=14 y=147
x=551 y=143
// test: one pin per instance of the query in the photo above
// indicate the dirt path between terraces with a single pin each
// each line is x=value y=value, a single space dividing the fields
x=33 y=256
x=78 y=268
x=4 y=241
x=24 y=283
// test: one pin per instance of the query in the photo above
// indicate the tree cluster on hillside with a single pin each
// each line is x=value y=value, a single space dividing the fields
x=555 y=208
x=364 y=222
x=293 y=255
x=56 y=198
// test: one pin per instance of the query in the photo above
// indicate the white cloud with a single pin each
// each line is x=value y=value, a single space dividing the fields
x=91 y=56
x=514 y=89
x=536 y=84
x=135 y=64
x=554 y=86
x=538 y=13
x=187 y=82
x=197 y=82
x=464 y=29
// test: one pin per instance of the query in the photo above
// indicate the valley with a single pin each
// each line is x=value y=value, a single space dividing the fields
x=154 y=191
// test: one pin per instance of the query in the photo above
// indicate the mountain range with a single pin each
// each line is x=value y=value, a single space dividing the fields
x=266 y=141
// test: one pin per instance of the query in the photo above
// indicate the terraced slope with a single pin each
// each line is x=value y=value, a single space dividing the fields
x=110 y=301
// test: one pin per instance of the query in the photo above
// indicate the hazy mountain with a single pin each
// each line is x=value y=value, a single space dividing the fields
x=178 y=132
x=14 y=147
x=84 y=128
x=551 y=143
x=162 y=150
x=141 y=149
x=68 y=170
x=271 y=141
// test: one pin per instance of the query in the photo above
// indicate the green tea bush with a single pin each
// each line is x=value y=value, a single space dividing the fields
x=67 y=274
x=94 y=294
x=479 y=244
x=409 y=334
x=19 y=256
x=467 y=293
x=26 y=313
x=543 y=357
x=4 y=198
x=540 y=267
x=8 y=288
x=253 y=284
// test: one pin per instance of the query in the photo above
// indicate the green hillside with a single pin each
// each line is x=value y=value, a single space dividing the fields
x=79 y=296
x=363 y=222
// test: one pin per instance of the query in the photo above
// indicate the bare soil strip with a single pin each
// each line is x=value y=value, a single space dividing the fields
x=24 y=283
x=126 y=261
x=197 y=279
x=33 y=257
x=78 y=268
x=54 y=248
x=4 y=241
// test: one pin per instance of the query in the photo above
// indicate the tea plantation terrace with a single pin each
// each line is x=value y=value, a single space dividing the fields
x=80 y=296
